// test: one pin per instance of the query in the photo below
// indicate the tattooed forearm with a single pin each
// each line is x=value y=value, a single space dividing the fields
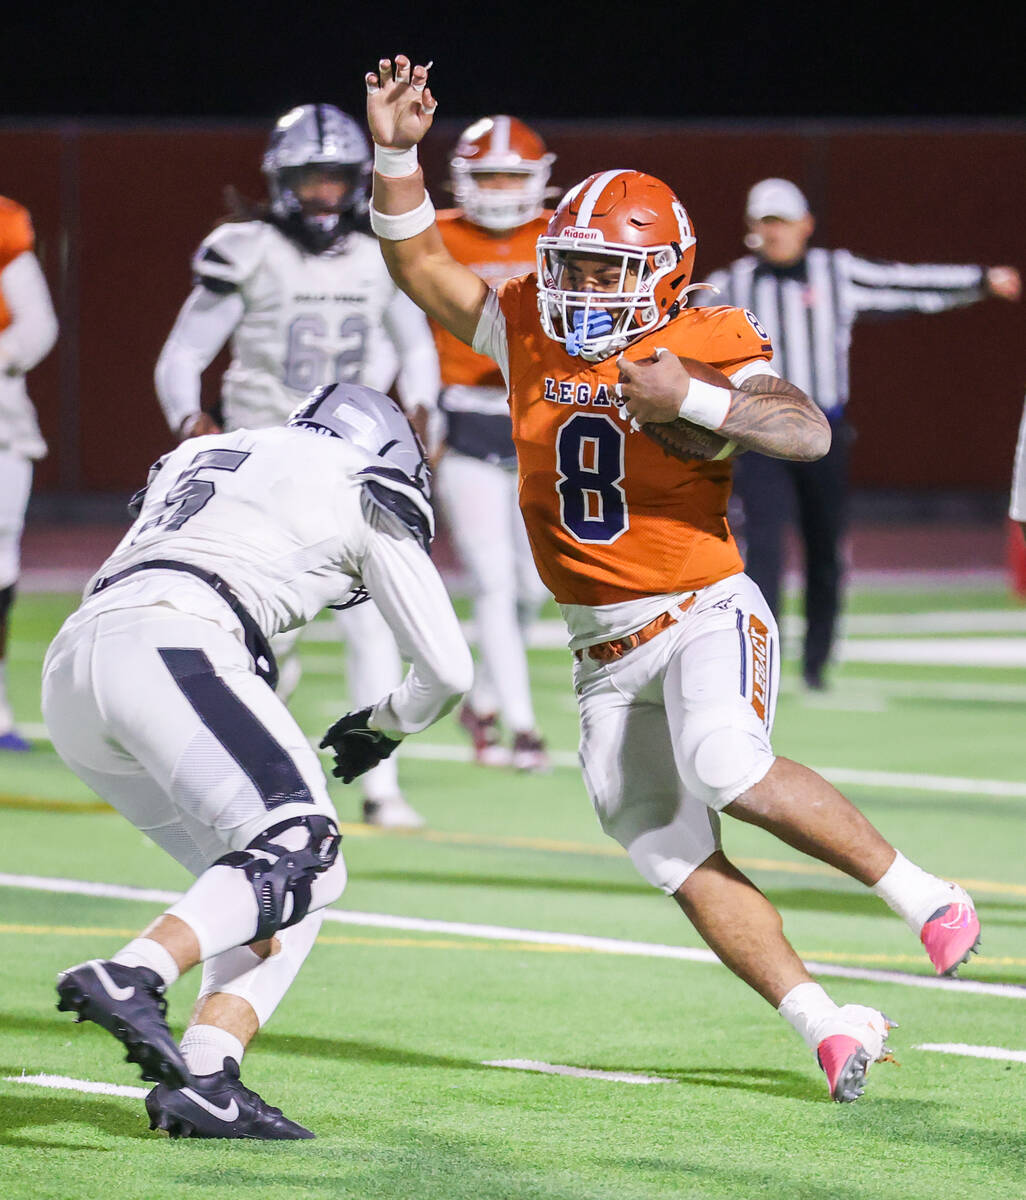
x=773 y=417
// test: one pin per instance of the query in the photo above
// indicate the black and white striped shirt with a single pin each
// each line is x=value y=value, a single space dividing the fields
x=809 y=308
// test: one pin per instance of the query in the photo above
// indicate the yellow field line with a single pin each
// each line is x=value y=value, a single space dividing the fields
x=414 y=943
x=512 y=842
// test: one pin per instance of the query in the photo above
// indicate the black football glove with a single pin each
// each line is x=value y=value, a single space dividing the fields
x=356 y=747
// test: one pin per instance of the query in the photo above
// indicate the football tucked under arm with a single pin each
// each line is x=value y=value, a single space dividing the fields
x=685 y=440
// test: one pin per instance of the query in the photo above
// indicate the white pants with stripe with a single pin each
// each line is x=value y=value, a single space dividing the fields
x=160 y=713
x=480 y=503
x=676 y=729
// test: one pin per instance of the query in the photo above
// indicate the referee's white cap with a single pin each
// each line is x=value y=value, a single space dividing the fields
x=776 y=198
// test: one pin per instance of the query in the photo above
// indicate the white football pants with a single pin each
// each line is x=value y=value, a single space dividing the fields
x=675 y=730
x=15 y=486
x=160 y=713
x=480 y=504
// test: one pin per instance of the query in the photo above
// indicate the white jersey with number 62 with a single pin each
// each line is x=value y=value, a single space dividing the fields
x=297 y=321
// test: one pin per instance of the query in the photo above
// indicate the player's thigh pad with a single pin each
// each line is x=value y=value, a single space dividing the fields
x=719 y=686
x=178 y=693
x=629 y=768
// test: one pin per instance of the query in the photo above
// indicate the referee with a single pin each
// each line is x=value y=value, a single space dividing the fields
x=808 y=299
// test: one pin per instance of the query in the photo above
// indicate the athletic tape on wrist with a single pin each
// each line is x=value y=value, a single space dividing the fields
x=399 y=227
x=394 y=164
x=705 y=404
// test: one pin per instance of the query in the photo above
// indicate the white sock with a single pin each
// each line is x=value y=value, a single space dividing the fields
x=914 y=894
x=806 y=1007
x=144 y=952
x=205 y=1047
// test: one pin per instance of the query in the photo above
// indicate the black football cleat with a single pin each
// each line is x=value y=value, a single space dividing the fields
x=129 y=1003
x=219 y=1106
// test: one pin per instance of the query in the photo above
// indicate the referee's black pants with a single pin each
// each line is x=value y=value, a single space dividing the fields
x=770 y=491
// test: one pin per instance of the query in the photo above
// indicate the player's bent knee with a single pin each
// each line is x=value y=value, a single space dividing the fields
x=726 y=762
x=292 y=867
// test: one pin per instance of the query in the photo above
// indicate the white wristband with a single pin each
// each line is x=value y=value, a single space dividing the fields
x=400 y=227
x=705 y=404
x=394 y=164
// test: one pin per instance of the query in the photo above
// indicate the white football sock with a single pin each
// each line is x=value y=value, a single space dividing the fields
x=261 y=982
x=145 y=952
x=807 y=1008
x=914 y=894
x=205 y=1047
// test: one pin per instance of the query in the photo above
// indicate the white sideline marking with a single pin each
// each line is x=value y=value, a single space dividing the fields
x=947 y=652
x=544 y=1068
x=503 y=933
x=63 y=1084
x=961 y=1048
x=910 y=781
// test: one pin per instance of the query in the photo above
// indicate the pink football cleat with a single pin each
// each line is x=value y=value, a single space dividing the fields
x=952 y=933
x=847 y=1054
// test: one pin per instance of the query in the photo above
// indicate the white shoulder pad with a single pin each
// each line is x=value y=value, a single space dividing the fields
x=229 y=254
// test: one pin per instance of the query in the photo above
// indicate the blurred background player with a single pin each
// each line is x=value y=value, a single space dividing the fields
x=499 y=173
x=28 y=330
x=808 y=299
x=299 y=287
x=158 y=693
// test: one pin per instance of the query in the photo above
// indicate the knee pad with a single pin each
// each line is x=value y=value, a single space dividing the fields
x=725 y=762
x=282 y=864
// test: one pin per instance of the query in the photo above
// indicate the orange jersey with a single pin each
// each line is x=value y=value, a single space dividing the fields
x=15 y=238
x=495 y=258
x=610 y=516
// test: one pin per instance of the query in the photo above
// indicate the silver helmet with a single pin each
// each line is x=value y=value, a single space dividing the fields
x=306 y=138
x=375 y=423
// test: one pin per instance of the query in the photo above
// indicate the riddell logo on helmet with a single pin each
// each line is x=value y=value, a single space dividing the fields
x=574 y=234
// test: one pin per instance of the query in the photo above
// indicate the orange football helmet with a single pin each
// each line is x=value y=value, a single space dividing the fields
x=640 y=226
x=500 y=145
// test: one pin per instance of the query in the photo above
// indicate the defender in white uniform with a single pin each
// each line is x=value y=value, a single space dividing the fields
x=303 y=294
x=155 y=693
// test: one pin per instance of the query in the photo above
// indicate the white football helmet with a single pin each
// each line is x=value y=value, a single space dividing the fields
x=500 y=146
x=317 y=135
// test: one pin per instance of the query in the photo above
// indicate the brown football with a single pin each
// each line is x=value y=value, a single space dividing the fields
x=683 y=439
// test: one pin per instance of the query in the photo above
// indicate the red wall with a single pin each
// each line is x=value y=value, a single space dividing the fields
x=119 y=209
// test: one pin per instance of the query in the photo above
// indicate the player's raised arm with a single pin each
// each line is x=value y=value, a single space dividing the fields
x=400 y=109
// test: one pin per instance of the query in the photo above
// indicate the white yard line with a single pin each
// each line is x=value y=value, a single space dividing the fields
x=63 y=1083
x=544 y=1068
x=503 y=933
x=1008 y=652
x=960 y=1048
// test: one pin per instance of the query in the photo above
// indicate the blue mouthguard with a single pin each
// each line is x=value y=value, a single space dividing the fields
x=586 y=325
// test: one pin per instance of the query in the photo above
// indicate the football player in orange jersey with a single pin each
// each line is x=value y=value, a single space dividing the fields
x=28 y=330
x=499 y=172
x=677 y=655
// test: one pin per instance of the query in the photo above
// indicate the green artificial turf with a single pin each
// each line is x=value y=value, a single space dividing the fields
x=379 y=1046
